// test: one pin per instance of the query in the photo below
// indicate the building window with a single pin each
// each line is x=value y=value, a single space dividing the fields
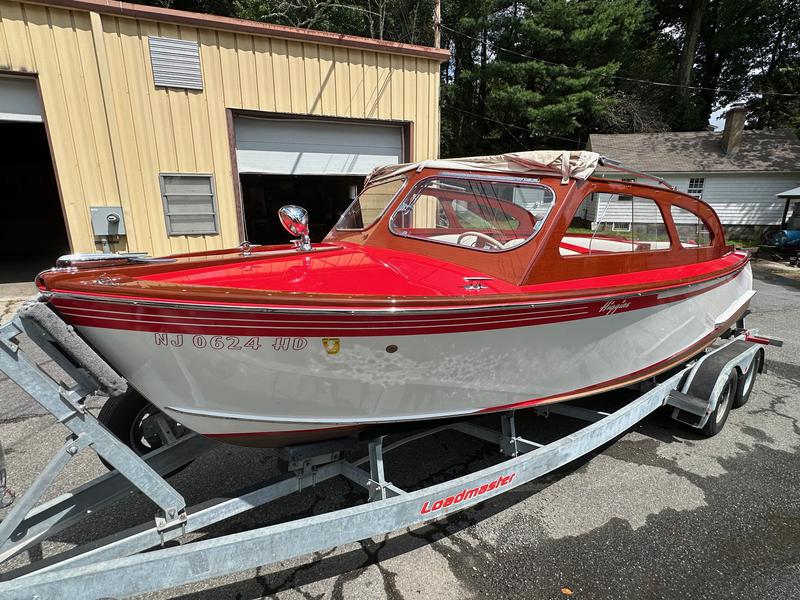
x=190 y=206
x=627 y=197
x=696 y=187
x=175 y=63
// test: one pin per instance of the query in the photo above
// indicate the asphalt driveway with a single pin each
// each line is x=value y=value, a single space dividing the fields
x=660 y=513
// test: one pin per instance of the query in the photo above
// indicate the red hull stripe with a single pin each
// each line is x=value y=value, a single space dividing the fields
x=188 y=320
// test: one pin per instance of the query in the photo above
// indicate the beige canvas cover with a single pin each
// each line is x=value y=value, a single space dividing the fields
x=578 y=164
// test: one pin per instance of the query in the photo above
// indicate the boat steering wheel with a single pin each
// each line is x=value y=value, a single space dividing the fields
x=479 y=236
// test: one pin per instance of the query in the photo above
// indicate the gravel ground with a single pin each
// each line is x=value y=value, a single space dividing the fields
x=660 y=513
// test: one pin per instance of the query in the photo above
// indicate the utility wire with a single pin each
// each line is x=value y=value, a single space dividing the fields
x=503 y=125
x=511 y=125
x=622 y=77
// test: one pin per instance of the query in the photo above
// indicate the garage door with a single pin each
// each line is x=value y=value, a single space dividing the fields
x=295 y=147
x=19 y=101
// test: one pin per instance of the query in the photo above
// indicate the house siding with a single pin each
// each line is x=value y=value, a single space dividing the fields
x=112 y=131
x=739 y=199
x=605 y=208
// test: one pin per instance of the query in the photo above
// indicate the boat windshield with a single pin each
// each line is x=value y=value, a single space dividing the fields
x=370 y=205
x=489 y=214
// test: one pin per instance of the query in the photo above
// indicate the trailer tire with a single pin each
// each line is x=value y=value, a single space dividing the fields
x=126 y=415
x=717 y=419
x=747 y=381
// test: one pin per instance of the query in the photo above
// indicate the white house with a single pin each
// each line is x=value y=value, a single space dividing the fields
x=738 y=172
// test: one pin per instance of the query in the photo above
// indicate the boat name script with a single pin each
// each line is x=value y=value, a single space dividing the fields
x=466 y=494
x=613 y=306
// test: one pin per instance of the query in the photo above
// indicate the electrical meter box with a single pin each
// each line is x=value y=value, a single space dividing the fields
x=107 y=220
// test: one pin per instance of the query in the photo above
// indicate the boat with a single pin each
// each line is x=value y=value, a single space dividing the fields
x=448 y=289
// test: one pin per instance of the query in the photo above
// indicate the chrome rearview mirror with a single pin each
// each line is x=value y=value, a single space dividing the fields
x=295 y=220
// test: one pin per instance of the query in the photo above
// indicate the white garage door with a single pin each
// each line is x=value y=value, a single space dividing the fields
x=295 y=147
x=19 y=101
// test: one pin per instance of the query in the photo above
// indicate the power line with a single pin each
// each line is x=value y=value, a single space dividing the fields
x=503 y=125
x=511 y=125
x=622 y=77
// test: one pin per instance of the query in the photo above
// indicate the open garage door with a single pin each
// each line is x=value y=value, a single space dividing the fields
x=296 y=147
x=19 y=101
x=35 y=234
x=319 y=165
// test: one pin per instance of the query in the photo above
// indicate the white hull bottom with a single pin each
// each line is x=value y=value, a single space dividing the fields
x=240 y=387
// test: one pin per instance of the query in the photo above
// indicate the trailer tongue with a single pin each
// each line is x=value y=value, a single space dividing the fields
x=701 y=392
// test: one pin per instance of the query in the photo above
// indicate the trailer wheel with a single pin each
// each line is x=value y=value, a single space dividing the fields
x=717 y=419
x=747 y=381
x=135 y=421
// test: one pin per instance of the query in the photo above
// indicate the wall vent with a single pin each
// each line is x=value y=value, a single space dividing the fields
x=176 y=63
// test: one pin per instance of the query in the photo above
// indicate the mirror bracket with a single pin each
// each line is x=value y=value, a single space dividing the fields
x=303 y=244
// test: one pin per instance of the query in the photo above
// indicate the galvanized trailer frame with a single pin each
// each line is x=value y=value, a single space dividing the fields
x=117 y=566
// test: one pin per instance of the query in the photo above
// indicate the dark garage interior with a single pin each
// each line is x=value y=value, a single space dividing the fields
x=34 y=234
x=325 y=198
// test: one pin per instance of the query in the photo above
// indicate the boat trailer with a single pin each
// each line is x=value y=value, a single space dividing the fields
x=700 y=392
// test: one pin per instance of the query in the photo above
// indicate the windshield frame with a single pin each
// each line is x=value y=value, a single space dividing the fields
x=403 y=178
x=414 y=192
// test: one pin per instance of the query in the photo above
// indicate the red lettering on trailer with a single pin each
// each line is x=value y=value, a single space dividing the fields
x=466 y=494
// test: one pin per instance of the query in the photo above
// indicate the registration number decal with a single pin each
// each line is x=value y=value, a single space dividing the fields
x=212 y=342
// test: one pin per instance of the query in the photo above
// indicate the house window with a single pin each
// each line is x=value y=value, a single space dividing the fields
x=627 y=197
x=696 y=187
x=606 y=223
x=190 y=206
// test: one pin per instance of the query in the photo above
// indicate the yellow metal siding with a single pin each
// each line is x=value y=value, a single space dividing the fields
x=112 y=131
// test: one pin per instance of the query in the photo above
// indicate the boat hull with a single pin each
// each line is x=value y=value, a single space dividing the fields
x=265 y=378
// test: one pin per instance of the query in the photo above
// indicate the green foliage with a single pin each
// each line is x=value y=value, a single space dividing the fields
x=526 y=96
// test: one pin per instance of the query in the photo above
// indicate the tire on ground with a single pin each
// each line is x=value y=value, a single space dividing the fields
x=717 y=419
x=747 y=380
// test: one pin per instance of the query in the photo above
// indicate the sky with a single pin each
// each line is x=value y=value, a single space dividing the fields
x=716 y=118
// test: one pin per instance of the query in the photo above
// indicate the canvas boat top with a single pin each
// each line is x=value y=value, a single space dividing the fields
x=578 y=164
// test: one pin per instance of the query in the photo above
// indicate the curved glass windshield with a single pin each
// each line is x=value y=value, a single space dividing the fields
x=481 y=213
x=370 y=204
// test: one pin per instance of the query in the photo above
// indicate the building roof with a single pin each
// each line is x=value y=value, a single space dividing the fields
x=193 y=19
x=792 y=193
x=698 y=151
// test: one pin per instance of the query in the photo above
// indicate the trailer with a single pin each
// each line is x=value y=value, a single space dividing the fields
x=701 y=393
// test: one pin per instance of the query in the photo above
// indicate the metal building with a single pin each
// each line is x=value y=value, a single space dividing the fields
x=131 y=127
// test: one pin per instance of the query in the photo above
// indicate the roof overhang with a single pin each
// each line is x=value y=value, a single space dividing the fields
x=793 y=193
x=192 y=19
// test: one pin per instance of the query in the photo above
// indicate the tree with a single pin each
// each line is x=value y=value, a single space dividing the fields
x=550 y=77
x=407 y=21
x=769 y=62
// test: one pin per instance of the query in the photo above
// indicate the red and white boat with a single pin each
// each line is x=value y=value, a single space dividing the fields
x=447 y=289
